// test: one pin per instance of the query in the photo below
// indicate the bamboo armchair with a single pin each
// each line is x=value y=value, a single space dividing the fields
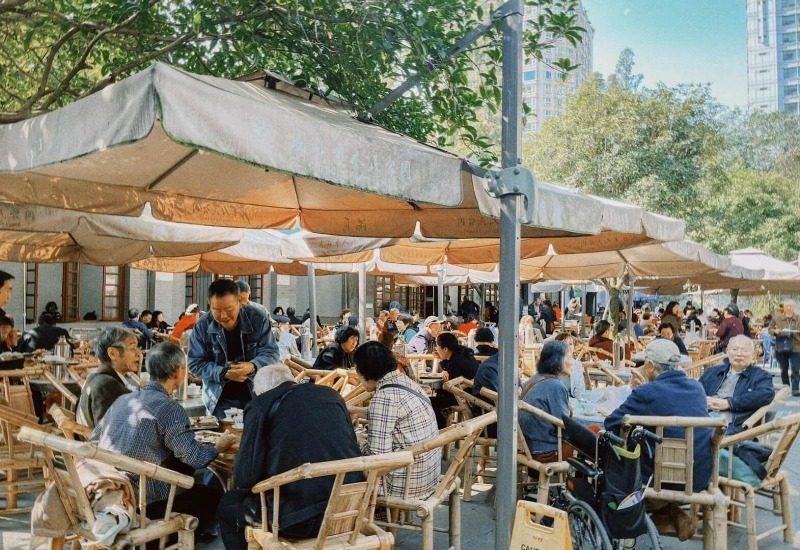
x=68 y=399
x=348 y=522
x=468 y=404
x=61 y=454
x=20 y=462
x=547 y=472
x=775 y=485
x=400 y=508
x=674 y=468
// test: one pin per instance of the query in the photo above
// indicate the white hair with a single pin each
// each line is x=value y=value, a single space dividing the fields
x=790 y=303
x=744 y=341
x=270 y=377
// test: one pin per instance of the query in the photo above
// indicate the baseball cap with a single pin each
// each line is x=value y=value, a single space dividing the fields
x=662 y=352
x=483 y=334
x=430 y=320
x=193 y=308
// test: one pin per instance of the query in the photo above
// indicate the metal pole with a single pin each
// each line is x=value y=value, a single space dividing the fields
x=583 y=313
x=25 y=296
x=510 y=209
x=440 y=291
x=362 y=301
x=312 y=307
x=631 y=281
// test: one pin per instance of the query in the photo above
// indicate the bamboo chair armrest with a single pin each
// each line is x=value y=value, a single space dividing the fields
x=80 y=449
x=455 y=432
x=758 y=431
x=676 y=421
x=761 y=412
x=523 y=406
x=61 y=387
x=385 y=462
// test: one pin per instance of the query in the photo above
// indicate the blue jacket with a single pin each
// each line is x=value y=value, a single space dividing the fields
x=753 y=390
x=208 y=352
x=486 y=376
x=549 y=395
x=671 y=394
x=136 y=324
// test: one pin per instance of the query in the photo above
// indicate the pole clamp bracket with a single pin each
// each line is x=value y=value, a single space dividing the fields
x=515 y=180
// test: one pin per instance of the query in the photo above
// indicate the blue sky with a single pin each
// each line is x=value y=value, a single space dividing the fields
x=676 y=41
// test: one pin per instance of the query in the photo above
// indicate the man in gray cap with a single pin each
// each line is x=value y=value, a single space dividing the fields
x=425 y=339
x=662 y=388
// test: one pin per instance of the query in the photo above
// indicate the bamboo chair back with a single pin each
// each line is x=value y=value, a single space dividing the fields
x=695 y=370
x=674 y=457
x=350 y=510
x=761 y=415
x=61 y=455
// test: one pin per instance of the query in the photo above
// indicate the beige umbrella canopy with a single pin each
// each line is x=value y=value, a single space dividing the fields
x=205 y=150
x=41 y=234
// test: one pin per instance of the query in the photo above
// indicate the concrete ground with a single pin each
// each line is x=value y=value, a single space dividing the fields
x=478 y=525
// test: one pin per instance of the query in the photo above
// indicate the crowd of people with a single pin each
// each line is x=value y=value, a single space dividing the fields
x=236 y=350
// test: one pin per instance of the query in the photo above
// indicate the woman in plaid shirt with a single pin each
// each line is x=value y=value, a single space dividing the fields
x=399 y=416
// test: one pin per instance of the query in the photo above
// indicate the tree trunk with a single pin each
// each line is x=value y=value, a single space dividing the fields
x=734 y=295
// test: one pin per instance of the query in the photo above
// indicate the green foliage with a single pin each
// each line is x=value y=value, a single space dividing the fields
x=732 y=176
x=55 y=51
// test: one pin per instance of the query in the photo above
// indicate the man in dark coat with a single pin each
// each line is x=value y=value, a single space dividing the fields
x=737 y=388
x=286 y=425
x=44 y=336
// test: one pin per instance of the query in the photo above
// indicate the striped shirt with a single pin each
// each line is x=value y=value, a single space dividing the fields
x=149 y=425
x=397 y=419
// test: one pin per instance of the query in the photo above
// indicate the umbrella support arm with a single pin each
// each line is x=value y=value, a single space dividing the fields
x=434 y=63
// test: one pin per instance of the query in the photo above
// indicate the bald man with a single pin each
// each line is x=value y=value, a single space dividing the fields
x=737 y=388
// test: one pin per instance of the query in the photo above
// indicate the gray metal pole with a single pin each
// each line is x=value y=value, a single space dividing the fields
x=440 y=294
x=583 y=313
x=510 y=210
x=362 y=301
x=312 y=307
x=631 y=283
x=25 y=296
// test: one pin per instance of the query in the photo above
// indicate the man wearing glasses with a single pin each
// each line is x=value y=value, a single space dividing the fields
x=737 y=388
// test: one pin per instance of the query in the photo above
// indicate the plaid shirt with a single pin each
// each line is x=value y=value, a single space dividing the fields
x=149 y=425
x=398 y=419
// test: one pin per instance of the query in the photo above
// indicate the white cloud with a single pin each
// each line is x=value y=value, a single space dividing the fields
x=626 y=11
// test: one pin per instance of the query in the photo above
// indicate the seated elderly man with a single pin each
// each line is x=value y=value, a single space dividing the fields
x=425 y=340
x=737 y=387
x=117 y=349
x=286 y=425
x=399 y=416
x=149 y=425
x=662 y=388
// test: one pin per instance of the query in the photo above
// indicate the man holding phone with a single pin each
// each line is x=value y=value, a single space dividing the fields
x=228 y=345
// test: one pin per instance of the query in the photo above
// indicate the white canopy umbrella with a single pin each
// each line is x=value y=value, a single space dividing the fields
x=211 y=151
x=41 y=234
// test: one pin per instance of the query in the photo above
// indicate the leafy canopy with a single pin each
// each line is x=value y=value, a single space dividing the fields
x=56 y=51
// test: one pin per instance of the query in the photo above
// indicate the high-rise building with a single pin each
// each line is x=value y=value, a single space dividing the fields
x=545 y=88
x=773 y=55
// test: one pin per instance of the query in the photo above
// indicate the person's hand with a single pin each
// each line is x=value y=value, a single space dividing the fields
x=638 y=377
x=361 y=437
x=445 y=376
x=238 y=372
x=356 y=412
x=225 y=442
x=718 y=404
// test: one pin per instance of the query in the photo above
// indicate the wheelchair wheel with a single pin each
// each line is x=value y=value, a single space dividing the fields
x=646 y=541
x=586 y=527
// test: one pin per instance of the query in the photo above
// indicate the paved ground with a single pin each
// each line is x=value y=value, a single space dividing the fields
x=478 y=525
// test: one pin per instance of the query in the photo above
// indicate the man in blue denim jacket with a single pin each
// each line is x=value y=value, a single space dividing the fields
x=228 y=345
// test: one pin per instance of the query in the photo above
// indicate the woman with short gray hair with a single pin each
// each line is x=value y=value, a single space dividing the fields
x=117 y=349
x=164 y=360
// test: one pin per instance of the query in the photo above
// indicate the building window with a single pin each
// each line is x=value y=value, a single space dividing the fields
x=31 y=294
x=789 y=20
x=790 y=91
x=71 y=291
x=529 y=75
x=113 y=287
x=790 y=72
x=790 y=108
x=548 y=75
